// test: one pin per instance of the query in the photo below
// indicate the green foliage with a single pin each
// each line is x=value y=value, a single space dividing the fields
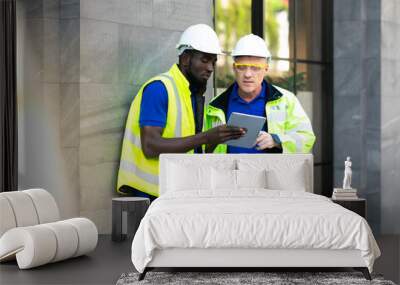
x=233 y=20
x=271 y=25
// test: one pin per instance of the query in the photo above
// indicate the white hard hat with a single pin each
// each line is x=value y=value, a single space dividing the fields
x=199 y=37
x=251 y=45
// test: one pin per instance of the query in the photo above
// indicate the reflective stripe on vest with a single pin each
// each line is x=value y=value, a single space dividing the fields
x=298 y=140
x=215 y=124
x=276 y=116
x=135 y=140
x=178 y=122
x=131 y=167
x=302 y=127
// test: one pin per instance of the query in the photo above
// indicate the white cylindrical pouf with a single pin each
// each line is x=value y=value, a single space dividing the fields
x=67 y=239
x=46 y=206
x=40 y=247
x=7 y=218
x=87 y=234
x=23 y=207
x=33 y=246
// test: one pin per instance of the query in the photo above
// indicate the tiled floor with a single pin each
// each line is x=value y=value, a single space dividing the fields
x=110 y=260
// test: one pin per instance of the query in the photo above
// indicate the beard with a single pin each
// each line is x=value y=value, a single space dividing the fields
x=198 y=83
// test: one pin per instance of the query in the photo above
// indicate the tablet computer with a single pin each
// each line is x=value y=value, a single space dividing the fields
x=252 y=123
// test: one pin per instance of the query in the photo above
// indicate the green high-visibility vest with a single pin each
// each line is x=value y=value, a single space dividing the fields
x=136 y=170
x=285 y=117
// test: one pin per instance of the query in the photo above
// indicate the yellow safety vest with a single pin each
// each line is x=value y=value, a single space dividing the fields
x=285 y=117
x=136 y=170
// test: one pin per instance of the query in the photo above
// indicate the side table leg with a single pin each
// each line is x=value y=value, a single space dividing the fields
x=116 y=221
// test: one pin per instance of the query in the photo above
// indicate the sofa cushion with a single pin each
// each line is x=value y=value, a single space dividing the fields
x=23 y=208
x=45 y=205
x=67 y=239
x=32 y=246
x=7 y=220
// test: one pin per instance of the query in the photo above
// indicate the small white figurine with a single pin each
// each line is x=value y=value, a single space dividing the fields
x=347 y=174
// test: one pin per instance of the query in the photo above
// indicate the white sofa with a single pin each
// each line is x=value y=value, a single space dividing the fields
x=31 y=231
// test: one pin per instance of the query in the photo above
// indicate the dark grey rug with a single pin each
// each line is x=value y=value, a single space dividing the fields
x=229 y=278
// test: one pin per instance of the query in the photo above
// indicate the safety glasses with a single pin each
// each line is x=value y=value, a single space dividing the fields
x=254 y=67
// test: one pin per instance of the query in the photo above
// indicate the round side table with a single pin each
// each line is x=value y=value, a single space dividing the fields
x=135 y=207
